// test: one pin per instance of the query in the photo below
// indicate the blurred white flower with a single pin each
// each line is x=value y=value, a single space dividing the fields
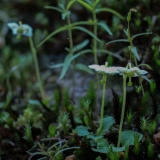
x=21 y=29
x=132 y=72
x=104 y=69
x=129 y=72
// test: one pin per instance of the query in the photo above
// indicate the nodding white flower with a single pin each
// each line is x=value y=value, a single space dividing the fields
x=21 y=29
x=104 y=69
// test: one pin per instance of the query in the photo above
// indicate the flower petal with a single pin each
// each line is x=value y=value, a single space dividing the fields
x=14 y=27
x=27 y=30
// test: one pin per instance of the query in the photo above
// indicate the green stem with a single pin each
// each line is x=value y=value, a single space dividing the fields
x=123 y=110
x=104 y=79
x=135 y=60
x=70 y=35
x=94 y=40
x=36 y=67
x=71 y=51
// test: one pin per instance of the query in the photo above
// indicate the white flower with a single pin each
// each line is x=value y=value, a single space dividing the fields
x=104 y=69
x=21 y=29
x=132 y=72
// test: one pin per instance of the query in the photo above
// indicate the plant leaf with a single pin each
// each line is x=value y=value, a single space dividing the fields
x=81 y=45
x=141 y=34
x=81 y=53
x=66 y=65
x=54 y=8
x=127 y=137
x=134 y=51
x=110 y=53
x=82 y=130
x=86 y=5
x=70 y=4
x=87 y=31
x=117 y=149
x=56 y=65
x=52 y=34
x=83 y=67
x=111 y=11
x=146 y=65
x=125 y=32
x=96 y=2
x=105 y=27
x=118 y=40
x=65 y=14
x=107 y=123
x=34 y=102
x=102 y=146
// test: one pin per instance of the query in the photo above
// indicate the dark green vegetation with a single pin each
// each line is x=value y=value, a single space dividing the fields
x=64 y=112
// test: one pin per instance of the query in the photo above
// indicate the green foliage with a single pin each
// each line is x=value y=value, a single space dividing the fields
x=136 y=148
x=151 y=127
x=152 y=86
x=129 y=118
x=144 y=123
x=150 y=151
x=63 y=123
x=31 y=117
x=128 y=137
x=51 y=130
x=28 y=134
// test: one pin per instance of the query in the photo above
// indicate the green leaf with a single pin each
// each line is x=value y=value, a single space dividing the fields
x=118 y=40
x=61 y=5
x=56 y=65
x=146 y=65
x=66 y=65
x=98 y=158
x=52 y=34
x=81 y=53
x=65 y=14
x=89 y=2
x=81 y=45
x=87 y=31
x=146 y=78
x=127 y=137
x=105 y=27
x=83 y=23
x=117 y=149
x=86 y=5
x=85 y=68
x=4 y=116
x=96 y=2
x=125 y=32
x=134 y=51
x=141 y=34
x=102 y=146
x=111 y=11
x=107 y=123
x=54 y=8
x=34 y=102
x=110 y=53
x=70 y=4
x=82 y=130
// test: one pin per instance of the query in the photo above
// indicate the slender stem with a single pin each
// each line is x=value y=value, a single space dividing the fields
x=104 y=79
x=123 y=109
x=135 y=60
x=36 y=67
x=94 y=40
x=71 y=51
x=70 y=34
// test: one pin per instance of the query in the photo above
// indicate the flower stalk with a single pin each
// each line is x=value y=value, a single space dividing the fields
x=37 y=67
x=123 y=110
x=104 y=79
